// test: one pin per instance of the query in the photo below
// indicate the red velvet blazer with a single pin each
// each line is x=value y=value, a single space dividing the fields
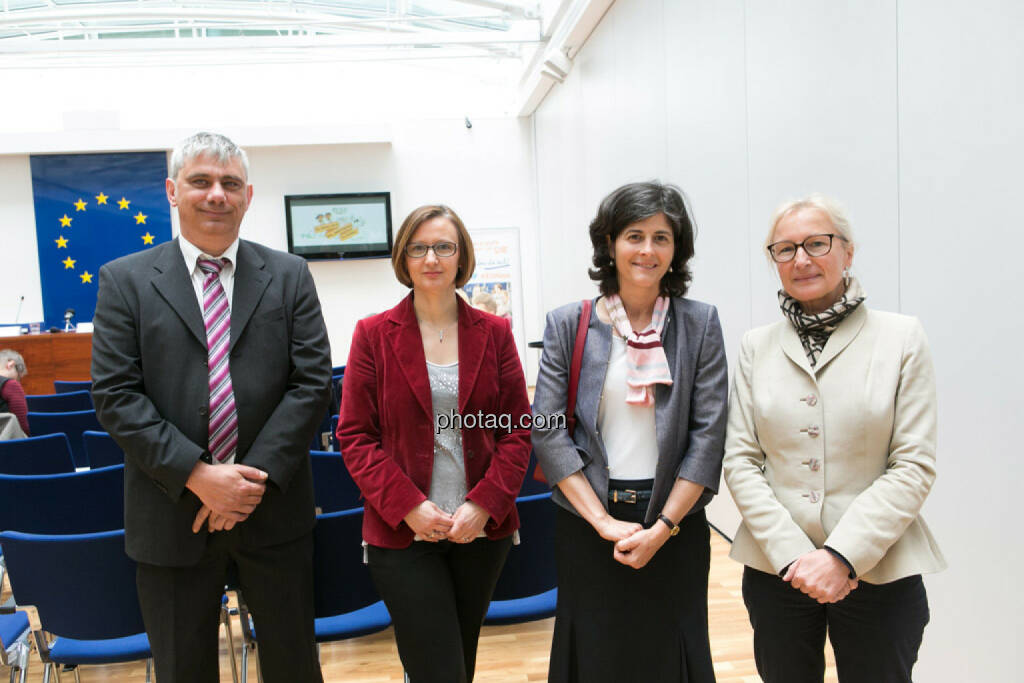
x=386 y=430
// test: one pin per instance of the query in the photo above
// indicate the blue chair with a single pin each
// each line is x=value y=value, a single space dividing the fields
x=73 y=503
x=48 y=454
x=333 y=487
x=64 y=386
x=59 y=403
x=14 y=646
x=346 y=603
x=82 y=590
x=338 y=370
x=101 y=450
x=526 y=588
x=531 y=486
x=71 y=423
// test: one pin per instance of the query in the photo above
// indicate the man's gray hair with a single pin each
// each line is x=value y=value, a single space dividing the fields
x=218 y=146
x=7 y=355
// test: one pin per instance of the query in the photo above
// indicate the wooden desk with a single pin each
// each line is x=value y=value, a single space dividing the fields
x=65 y=356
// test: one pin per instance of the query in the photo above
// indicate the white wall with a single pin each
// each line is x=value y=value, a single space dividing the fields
x=910 y=113
x=484 y=173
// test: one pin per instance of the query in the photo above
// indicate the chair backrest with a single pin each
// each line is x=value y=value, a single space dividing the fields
x=101 y=450
x=71 y=423
x=530 y=567
x=65 y=386
x=333 y=487
x=75 y=503
x=59 y=403
x=83 y=585
x=341 y=582
x=338 y=370
x=47 y=454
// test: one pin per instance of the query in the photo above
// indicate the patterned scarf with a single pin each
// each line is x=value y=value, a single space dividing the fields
x=814 y=329
x=646 y=364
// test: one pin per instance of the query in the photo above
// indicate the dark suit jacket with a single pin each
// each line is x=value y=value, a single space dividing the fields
x=690 y=415
x=150 y=389
x=386 y=430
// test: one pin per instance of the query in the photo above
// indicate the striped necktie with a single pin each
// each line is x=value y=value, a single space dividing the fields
x=217 y=317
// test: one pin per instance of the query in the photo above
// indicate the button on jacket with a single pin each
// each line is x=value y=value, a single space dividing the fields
x=841 y=455
x=386 y=430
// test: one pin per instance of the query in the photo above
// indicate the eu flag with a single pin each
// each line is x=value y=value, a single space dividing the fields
x=90 y=209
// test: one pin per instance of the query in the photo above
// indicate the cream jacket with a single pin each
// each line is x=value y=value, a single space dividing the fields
x=842 y=455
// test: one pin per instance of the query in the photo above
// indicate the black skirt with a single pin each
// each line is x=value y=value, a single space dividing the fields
x=616 y=623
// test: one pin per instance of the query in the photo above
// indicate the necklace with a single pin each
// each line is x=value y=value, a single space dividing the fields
x=440 y=332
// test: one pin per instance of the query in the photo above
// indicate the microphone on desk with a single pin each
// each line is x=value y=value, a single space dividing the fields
x=68 y=315
x=21 y=300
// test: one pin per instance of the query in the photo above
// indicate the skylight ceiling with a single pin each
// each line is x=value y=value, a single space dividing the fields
x=88 y=33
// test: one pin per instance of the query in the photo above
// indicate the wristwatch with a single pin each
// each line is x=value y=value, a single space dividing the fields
x=671 y=525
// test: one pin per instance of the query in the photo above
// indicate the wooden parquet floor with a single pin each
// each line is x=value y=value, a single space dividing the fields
x=507 y=654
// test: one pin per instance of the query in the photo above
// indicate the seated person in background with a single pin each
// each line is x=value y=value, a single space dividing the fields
x=12 y=395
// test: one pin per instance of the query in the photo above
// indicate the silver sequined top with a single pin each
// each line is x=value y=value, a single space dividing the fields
x=448 y=482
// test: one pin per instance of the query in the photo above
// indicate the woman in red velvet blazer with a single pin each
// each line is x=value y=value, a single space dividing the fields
x=440 y=501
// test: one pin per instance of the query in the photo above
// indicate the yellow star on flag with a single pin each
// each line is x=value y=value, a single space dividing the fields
x=147 y=238
x=65 y=221
x=123 y=204
x=69 y=263
x=140 y=218
x=62 y=242
x=86 y=277
x=80 y=205
x=101 y=198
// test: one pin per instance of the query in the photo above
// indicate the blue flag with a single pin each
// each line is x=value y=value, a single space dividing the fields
x=90 y=209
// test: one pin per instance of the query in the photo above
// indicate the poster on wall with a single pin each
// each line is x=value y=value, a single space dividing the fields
x=496 y=285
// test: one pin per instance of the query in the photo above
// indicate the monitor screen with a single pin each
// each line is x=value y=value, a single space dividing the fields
x=330 y=226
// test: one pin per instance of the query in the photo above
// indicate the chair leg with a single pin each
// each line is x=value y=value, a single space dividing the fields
x=226 y=619
x=149 y=670
x=259 y=669
x=245 y=663
x=78 y=678
x=46 y=673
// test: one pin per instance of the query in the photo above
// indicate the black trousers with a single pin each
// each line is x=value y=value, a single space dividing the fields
x=876 y=630
x=437 y=594
x=181 y=607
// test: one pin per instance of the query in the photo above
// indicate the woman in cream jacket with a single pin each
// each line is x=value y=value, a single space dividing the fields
x=830 y=454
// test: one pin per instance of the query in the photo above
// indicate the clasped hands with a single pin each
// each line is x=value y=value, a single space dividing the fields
x=821 y=575
x=229 y=494
x=433 y=524
x=634 y=545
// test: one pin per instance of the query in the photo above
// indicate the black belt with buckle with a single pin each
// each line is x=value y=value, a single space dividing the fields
x=630 y=496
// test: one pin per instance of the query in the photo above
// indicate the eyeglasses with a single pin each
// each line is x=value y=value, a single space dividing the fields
x=440 y=249
x=815 y=245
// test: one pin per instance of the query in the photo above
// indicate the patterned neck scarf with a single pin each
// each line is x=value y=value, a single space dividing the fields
x=814 y=329
x=646 y=364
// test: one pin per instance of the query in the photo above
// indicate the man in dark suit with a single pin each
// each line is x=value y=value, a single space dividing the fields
x=211 y=369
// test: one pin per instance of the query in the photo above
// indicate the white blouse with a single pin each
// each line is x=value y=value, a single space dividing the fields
x=628 y=431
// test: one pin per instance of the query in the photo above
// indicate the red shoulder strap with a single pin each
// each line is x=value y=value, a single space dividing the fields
x=577 y=364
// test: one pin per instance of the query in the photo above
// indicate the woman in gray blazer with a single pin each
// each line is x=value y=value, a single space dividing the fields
x=632 y=481
x=829 y=456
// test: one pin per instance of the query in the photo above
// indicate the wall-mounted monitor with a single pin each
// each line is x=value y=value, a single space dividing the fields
x=331 y=226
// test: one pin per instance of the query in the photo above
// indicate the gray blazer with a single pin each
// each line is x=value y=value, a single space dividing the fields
x=690 y=415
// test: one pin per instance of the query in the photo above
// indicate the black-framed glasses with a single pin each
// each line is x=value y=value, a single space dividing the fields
x=440 y=249
x=815 y=245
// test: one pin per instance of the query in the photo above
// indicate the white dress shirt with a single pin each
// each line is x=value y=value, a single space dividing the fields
x=192 y=254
